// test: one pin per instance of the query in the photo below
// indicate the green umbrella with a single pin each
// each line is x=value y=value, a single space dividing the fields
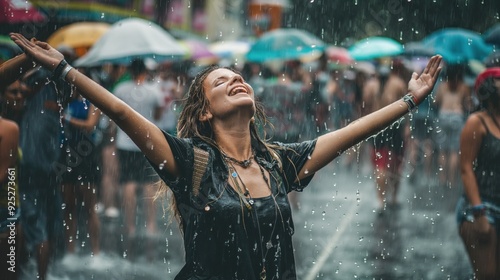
x=284 y=44
x=375 y=47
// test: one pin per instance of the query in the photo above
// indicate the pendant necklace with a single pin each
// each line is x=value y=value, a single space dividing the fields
x=242 y=189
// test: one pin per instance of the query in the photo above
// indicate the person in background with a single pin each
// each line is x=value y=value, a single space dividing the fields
x=79 y=182
x=237 y=221
x=389 y=148
x=453 y=102
x=135 y=173
x=478 y=210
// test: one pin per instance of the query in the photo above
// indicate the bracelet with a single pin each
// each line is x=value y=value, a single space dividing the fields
x=65 y=72
x=478 y=210
x=59 y=69
x=410 y=101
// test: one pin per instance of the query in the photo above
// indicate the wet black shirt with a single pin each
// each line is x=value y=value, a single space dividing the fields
x=221 y=236
x=487 y=168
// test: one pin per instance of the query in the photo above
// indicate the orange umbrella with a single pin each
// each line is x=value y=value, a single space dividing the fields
x=79 y=36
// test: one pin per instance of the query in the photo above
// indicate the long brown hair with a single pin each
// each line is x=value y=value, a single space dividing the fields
x=189 y=126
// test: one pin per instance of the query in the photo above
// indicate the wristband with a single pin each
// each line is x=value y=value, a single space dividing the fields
x=410 y=101
x=59 y=69
x=478 y=210
x=65 y=72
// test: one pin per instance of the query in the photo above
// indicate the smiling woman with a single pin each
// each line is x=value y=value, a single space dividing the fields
x=237 y=224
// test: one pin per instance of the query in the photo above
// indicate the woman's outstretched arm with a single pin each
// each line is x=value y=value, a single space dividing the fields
x=147 y=136
x=332 y=144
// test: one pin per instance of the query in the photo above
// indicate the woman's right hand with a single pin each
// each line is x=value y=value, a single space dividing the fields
x=40 y=52
x=482 y=226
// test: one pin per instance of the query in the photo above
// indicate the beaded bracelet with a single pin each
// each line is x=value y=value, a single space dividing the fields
x=410 y=101
x=59 y=69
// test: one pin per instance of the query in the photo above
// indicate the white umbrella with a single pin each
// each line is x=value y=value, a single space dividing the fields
x=132 y=38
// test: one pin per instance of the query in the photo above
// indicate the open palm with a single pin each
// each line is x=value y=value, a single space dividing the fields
x=421 y=85
x=39 y=51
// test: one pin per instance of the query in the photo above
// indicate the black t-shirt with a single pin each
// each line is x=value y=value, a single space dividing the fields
x=224 y=239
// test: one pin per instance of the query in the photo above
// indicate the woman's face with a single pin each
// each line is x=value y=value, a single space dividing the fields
x=14 y=96
x=228 y=93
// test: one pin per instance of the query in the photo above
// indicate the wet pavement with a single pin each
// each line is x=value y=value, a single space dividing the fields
x=338 y=235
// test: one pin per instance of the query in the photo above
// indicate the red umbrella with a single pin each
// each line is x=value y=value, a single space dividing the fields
x=19 y=11
x=338 y=55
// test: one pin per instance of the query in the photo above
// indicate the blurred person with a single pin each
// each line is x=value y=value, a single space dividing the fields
x=478 y=210
x=172 y=88
x=39 y=142
x=389 y=144
x=111 y=76
x=453 y=101
x=421 y=154
x=135 y=173
x=13 y=101
x=237 y=222
x=10 y=156
x=79 y=182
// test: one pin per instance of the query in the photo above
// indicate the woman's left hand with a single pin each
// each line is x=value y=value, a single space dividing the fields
x=421 y=85
x=40 y=52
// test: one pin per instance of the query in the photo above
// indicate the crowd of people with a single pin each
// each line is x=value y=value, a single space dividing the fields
x=75 y=159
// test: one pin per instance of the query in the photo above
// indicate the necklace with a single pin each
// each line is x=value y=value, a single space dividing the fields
x=243 y=163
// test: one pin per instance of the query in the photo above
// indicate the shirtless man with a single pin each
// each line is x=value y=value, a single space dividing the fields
x=453 y=100
x=388 y=149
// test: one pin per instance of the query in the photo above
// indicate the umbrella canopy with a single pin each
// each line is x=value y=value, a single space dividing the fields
x=199 y=51
x=457 y=45
x=80 y=34
x=133 y=38
x=19 y=11
x=417 y=49
x=375 y=47
x=284 y=44
x=338 y=55
x=230 y=49
x=8 y=49
x=492 y=35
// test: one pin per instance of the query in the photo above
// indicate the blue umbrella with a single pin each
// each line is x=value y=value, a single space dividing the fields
x=284 y=44
x=375 y=47
x=492 y=35
x=457 y=45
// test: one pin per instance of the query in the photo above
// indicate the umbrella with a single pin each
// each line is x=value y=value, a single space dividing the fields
x=230 y=49
x=80 y=36
x=199 y=51
x=16 y=11
x=8 y=48
x=492 y=35
x=417 y=49
x=133 y=38
x=375 y=47
x=493 y=60
x=284 y=44
x=457 y=45
x=338 y=55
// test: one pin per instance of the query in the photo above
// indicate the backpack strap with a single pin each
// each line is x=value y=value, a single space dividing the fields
x=200 y=165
